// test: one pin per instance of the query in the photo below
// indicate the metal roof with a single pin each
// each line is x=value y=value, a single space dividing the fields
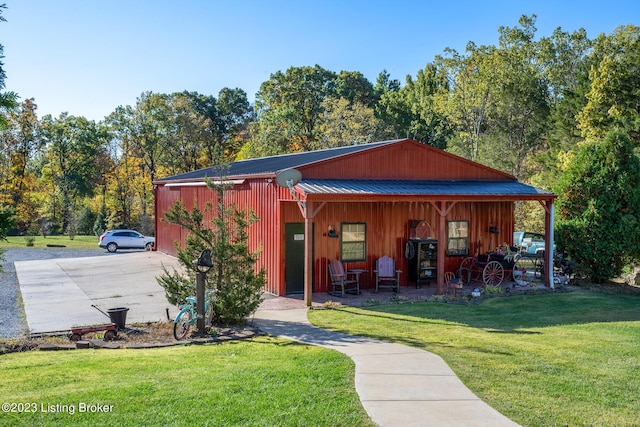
x=418 y=188
x=274 y=164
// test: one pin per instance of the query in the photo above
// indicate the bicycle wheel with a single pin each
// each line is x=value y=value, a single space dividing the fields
x=524 y=271
x=182 y=325
x=493 y=273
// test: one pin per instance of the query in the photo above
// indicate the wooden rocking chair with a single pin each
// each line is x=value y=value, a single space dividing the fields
x=339 y=279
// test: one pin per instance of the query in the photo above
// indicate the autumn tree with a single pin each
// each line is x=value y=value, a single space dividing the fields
x=427 y=124
x=346 y=123
x=615 y=88
x=189 y=131
x=391 y=108
x=121 y=186
x=74 y=146
x=19 y=143
x=467 y=103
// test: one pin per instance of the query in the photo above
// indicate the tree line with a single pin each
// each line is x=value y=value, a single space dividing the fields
x=539 y=107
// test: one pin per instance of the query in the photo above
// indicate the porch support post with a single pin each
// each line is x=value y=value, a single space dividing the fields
x=548 y=252
x=443 y=210
x=308 y=252
x=308 y=213
x=548 y=242
x=442 y=230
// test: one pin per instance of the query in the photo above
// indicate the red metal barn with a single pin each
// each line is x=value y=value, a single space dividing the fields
x=358 y=203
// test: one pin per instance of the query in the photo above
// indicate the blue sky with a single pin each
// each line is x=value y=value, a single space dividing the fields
x=87 y=57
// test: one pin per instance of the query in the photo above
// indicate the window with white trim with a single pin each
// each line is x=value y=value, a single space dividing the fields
x=353 y=241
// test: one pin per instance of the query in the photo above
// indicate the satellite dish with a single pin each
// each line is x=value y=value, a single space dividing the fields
x=288 y=178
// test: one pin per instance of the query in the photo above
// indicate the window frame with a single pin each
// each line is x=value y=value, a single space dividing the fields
x=362 y=242
x=458 y=238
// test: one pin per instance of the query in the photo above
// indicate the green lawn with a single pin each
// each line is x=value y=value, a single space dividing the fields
x=547 y=360
x=78 y=242
x=568 y=359
x=262 y=382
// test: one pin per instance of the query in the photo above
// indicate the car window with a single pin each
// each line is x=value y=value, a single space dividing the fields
x=533 y=236
x=121 y=234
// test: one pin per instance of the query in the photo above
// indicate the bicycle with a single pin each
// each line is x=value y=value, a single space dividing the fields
x=186 y=317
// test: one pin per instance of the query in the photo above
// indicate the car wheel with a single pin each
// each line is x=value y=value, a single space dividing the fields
x=112 y=247
x=148 y=246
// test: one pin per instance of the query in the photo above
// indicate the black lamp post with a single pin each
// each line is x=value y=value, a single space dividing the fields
x=203 y=264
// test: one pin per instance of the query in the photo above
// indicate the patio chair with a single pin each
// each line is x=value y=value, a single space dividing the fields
x=386 y=273
x=339 y=279
x=452 y=283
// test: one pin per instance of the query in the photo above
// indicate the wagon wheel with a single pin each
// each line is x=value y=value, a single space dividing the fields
x=468 y=266
x=110 y=335
x=75 y=337
x=469 y=263
x=493 y=273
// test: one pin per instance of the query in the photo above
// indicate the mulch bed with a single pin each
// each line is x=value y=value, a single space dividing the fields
x=148 y=335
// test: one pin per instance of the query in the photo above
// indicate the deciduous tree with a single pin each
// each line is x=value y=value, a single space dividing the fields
x=74 y=147
x=347 y=123
x=8 y=100
x=290 y=104
x=615 y=87
x=18 y=143
x=599 y=206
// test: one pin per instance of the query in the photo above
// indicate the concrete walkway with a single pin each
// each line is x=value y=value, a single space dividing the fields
x=397 y=385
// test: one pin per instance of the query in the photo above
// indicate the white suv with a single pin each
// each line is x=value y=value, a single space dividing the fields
x=125 y=239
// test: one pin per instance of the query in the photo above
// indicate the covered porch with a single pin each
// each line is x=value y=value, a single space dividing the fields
x=387 y=208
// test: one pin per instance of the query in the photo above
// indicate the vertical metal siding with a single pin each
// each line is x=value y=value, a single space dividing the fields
x=387 y=227
x=388 y=231
x=166 y=234
x=403 y=161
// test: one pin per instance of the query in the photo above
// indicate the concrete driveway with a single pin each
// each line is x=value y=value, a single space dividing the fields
x=58 y=294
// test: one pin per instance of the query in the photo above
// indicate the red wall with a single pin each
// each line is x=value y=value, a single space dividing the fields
x=406 y=160
x=387 y=227
x=258 y=195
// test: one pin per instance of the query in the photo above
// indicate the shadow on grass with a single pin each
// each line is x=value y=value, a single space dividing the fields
x=510 y=315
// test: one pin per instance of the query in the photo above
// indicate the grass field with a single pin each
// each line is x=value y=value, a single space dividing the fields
x=78 y=242
x=265 y=382
x=547 y=360
x=567 y=359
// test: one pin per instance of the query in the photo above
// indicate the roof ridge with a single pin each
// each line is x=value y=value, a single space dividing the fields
x=272 y=164
x=364 y=146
